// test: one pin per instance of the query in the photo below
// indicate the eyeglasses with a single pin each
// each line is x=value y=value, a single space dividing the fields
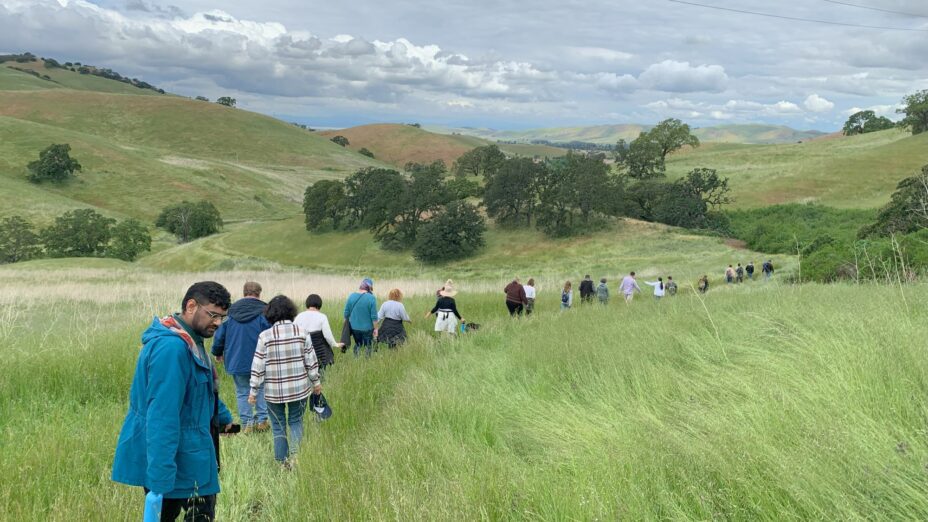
x=213 y=315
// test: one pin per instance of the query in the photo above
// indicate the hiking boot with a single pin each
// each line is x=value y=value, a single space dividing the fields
x=286 y=465
x=263 y=426
x=248 y=429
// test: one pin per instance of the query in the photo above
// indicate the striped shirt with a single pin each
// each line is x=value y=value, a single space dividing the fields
x=285 y=363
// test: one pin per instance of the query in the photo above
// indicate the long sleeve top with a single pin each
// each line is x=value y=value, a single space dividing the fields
x=314 y=321
x=658 y=287
x=285 y=363
x=529 y=291
x=361 y=311
x=393 y=310
x=515 y=293
x=446 y=304
x=570 y=298
x=629 y=285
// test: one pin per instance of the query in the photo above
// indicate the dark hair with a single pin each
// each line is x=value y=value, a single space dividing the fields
x=632 y=274
x=281 y=308
x=207 y=292
x=661 y=281
x=314 y=301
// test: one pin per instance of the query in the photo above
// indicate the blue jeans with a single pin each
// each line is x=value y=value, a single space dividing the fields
x=286 y=415
x=363 y=338
x=242 y=389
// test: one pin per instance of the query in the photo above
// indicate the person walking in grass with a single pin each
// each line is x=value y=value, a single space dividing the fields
x=285 y=364
x=602 y=292
x=515 y=298
x=629 y=286
x=729 y=275
x=529 y=288
x=703 y=284
x=169 y=442
x=671 y=286
x=234 y=347
x=767 y=269
x=749 y=270
x=586 y=290
x=739 y=273
x=658 y=287
x=567 y=296
x=316 y=325
x=446 y=310
x=361 y=314
x=390 y=317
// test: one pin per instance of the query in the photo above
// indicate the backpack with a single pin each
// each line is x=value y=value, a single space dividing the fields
x=565 y=297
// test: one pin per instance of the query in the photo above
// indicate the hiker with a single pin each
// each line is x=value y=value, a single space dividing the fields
x=749 y=270
x=703 y=284
x=286 y=364
x=729 y=275
x=316 y=324
x=390 y=317
x=234 y=347
x=515 y=297
x=586 y=290
x=529 y=288
x=602 y=292
x=567 y=296
x=446 y=310
x=739 y=273
x=629 y=286
x=361 y=314
x=767 y=269
x=671 y=287
x=169 y=442
x=658 y=287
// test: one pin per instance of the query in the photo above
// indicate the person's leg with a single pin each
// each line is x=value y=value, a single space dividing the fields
x=277 y=413
x=295 y=411
x=367 y=339
x=261 y=422
x=511 y=307
x=201 y=509
x=519 y=309
x=357 y=336
x=171 y=508
x=242 y=390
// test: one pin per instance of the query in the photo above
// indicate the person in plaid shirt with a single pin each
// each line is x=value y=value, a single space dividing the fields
x=285 y=363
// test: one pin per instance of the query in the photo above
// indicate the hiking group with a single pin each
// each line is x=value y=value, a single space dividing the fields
x=277 y=357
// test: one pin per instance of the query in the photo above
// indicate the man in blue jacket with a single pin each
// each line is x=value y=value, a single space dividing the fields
x=169 y=441
x=234 y=346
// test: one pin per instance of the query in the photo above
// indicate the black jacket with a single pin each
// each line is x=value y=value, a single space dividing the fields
x=586 y=288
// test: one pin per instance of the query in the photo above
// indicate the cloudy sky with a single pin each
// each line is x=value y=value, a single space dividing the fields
x=500 y=64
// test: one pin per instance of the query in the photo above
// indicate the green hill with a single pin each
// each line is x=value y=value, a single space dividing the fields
x=141 y=150
x=754 y=134
x=851 y=172
x=400 y=144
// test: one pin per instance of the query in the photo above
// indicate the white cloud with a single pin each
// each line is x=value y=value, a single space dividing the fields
x=674 y=76
x=816 y=103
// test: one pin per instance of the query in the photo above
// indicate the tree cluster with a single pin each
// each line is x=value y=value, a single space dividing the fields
x=862 y=122
x=55 y=164
x=228 y=101
x=645 y=157
x=77 y=233
x=189 y=221
x=916 y=112
x=417 y=209
x=906 y=212
x=478 y=161
x=113 y=75
x=340 y=140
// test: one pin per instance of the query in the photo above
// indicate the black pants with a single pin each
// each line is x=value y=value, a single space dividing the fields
x=197 y=509
x=514 y=308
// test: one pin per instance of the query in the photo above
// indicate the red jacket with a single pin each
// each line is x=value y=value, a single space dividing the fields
x=515 y=293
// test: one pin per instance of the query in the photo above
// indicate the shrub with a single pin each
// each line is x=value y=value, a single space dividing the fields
x=18 y=240
x=55 y=164
x=130 y=238
x=78 y=233
x=189 y=221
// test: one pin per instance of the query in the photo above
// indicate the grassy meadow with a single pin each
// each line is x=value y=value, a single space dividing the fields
x=759 y=402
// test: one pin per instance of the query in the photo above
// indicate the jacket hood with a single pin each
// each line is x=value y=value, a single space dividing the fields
x=244 y=310
x=156 y=330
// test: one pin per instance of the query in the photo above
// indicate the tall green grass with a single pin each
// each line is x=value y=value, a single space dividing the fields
x=761 y=401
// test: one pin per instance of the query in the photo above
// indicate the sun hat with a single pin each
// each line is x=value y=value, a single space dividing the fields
x=320 y=406
x=448 y=290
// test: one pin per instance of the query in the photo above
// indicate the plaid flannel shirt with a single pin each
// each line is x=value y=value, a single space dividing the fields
x=285 y=363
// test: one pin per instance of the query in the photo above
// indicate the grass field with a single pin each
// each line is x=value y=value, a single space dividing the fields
x=14 y=80
x=762 y=402
x=850 y=172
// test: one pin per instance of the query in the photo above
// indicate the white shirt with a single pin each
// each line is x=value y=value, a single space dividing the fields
x=658 y=291
x=312 y=321
x=529 y=291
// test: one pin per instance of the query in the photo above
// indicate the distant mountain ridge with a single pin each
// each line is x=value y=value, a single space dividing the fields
x=755 y=134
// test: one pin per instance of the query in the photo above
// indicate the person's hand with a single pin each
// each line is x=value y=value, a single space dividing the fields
x=375 y=333
x=227 y=427
x=252 y=399
x=339 y=345
x=317 y=389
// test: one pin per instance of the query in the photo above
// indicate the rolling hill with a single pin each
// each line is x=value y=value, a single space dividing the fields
x=399 y=144
x=141 y=150
x=610 y=134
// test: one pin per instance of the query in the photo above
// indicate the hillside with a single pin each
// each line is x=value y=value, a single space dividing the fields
x=399 y=144
x=610 y=134
x=851 y=172
x=141 y=150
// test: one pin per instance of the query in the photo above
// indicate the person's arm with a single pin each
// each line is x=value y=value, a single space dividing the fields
x=522 y=297
x=373 y=312
x=454 y=308
x=649 y=283
x=327 y=333
x=570 y=298
x=433 y=310
x=311 y=363
x=405 y=315
x=219 y=342
x=258 y=367
x=381 y=314
x=225 y=416
x=164 y=395
x=637 y=288
x=347 y=306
